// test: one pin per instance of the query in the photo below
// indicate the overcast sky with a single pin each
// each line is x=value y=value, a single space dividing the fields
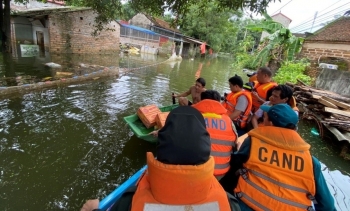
x=303 y=12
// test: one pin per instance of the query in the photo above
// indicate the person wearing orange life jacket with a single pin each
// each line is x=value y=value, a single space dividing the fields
x=252 y=77
x=221 y=129
x=238 y=103
x=280 y=94
x=275 y=168
x=262 y=87
x=182 y=174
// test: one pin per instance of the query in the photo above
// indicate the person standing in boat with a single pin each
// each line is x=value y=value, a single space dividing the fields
x=275 y=168
x=182 y=175
x=280 y=94
x=238 y=104
x=222 y=131
x=195 y=91
x=262 y=87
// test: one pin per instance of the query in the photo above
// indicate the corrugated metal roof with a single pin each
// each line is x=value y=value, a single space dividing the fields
x=138 y=29
x=194 y=40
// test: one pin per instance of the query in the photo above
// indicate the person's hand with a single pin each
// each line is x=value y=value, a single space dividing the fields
x=154 y=133
x=255 y=94
x=90 y=205
x=174 y=95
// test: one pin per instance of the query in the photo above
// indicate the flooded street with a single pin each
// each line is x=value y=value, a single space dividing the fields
x=62 y=146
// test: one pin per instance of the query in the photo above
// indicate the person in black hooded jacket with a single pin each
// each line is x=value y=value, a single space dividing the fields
x=183 y=141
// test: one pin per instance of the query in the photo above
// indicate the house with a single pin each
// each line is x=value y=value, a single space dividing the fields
x=282 y=19
x=279 y=18
x=332 y=41
x=184 y=44
x=157 y=25
x=59 y=29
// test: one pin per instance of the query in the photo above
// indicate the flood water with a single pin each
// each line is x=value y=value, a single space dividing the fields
x=59 y=147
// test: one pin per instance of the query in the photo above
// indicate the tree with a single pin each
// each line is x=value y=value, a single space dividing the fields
x=5 y=25
x=110 y=9
x=127 y=11
x=213 y=26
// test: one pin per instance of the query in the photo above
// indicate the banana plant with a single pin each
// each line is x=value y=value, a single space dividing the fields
x=280 y=45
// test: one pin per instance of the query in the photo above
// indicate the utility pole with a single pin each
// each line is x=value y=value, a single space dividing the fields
x=313 y=21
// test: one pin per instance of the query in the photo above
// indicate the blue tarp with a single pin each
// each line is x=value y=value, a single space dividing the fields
x=139 y=29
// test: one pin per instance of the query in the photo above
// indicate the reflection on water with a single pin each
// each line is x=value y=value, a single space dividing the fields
x=59 y=147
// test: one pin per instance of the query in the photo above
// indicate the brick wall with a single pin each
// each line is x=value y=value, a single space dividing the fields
x=313 y=50
x=70 y=32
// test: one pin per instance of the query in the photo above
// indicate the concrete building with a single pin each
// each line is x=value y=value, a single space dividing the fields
x=59 y=29
x=185 y=46
x=331 y=41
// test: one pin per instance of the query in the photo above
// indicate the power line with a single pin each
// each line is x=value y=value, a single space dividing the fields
x=330 y=17
x=317 y=17
x=319 y=12
x=281 y=7
x=330 y=6
x=319 y=23
x=307 y=22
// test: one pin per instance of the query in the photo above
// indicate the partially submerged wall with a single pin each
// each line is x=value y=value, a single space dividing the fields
x=334 y=80
x=71 y=32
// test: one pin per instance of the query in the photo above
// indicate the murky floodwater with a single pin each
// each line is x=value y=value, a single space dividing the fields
x=59 y=147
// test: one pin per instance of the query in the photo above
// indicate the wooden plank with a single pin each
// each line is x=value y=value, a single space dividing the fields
x=337 y=111
x=327 y=103
x=338 y=103
x=316 y=97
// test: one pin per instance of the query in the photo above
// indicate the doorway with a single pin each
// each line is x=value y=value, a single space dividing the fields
x=40 y=42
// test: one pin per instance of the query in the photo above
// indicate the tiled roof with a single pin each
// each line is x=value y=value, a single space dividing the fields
x=161 y=23
x=338 y=31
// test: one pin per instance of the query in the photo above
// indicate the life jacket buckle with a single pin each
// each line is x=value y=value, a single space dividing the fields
x=238 y=195
x=310 y=208
x=312 y=198
x=243 y=172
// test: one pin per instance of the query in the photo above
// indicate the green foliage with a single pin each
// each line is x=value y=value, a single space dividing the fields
x=127 y=11
x=211 y=25
x=243 y=60
x=280 y=45
x=268 y=25
x=109 y=10
x=291 y=71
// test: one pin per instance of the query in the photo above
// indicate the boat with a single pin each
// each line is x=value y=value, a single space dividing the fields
x=109 y=200
x=139 y=128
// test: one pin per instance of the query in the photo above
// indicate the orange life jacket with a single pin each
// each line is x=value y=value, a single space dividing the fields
x=231 y=102
x=222 y=137
x=293 y=104
x=180 y=187
x=279 y=172
x=253 y=78
x=262 y=90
